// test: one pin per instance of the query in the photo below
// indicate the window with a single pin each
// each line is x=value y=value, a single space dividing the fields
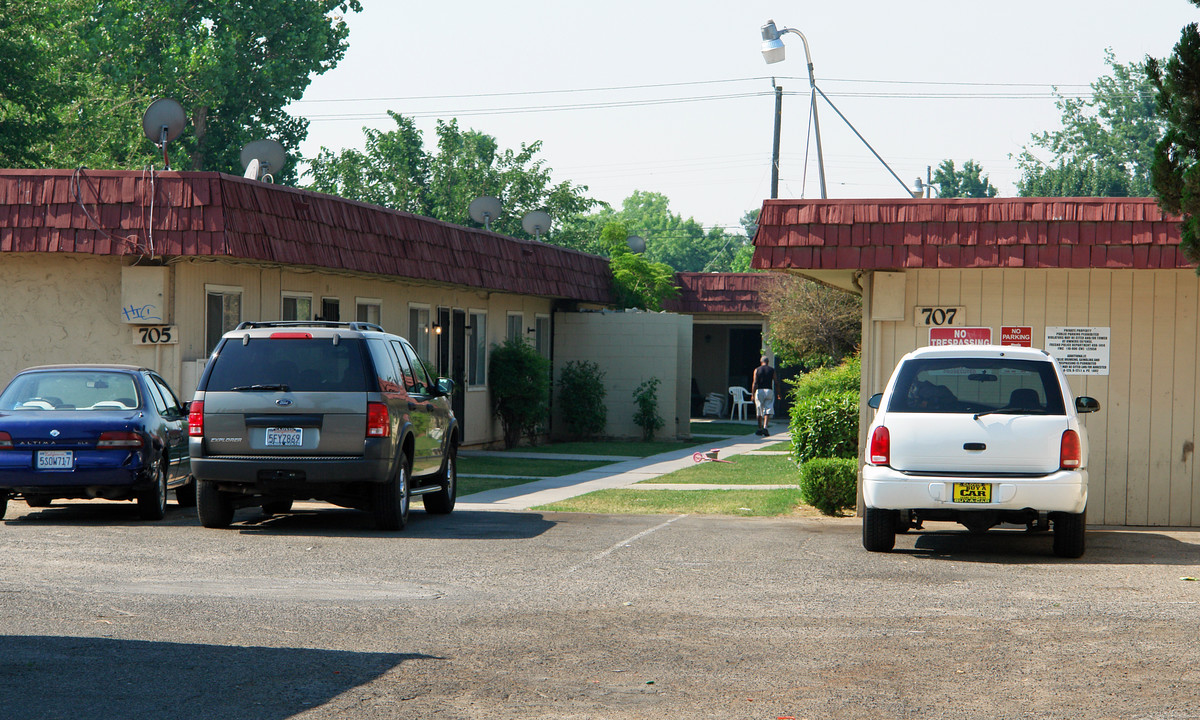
x=367 y=310
x=477 y=349
x=223 y=312
x=542 y=335
x=419 y=330
x=331 y=309
x=422 y=385
x=296 y=307
x=516 y=326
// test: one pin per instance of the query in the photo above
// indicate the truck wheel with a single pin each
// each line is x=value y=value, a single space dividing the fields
x=185 y=495
x=879 y=529
x=214 y=507
x=442 y=501
x=391 y=500
x=1070 y=534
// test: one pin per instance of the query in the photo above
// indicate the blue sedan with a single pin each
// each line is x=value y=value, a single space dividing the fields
x=116 y=432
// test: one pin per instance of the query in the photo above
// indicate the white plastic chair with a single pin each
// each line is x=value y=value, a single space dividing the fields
x=741 y=400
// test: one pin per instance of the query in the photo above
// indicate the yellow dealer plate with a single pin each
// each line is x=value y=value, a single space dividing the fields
x=972 y=492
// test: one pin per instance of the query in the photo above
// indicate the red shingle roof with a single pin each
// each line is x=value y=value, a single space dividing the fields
x=717 y=293
x=961 y=233
x=215 y=215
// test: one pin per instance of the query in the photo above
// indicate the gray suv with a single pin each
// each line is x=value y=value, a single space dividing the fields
x=340 y=412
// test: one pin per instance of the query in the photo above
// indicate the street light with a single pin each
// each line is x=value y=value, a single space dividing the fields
x=773 y=51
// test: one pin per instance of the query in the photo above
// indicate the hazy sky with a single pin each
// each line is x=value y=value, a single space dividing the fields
x=674 y=97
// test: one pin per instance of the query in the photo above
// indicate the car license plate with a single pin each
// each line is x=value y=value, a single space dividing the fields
x=56 y=460
x=284 y=437
x=972 y=492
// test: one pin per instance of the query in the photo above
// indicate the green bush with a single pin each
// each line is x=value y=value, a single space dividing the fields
x=581 y=398
x=647 y=417
x=519 y=378
x=842 y=378
x=824 y=426
x=830 y=484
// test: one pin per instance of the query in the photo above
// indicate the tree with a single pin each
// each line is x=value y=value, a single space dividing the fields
x=234 y=67
x=811 y=324
x=970 y=182
x=1176 y=169
x=637 y=281
x=395 y=170
x=1106 y=144
x=30 y=87
x=519 y=380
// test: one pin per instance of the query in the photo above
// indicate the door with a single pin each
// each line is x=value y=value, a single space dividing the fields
x=458 y=366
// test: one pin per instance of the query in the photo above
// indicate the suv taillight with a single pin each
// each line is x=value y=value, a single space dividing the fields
x=378 y=422
x=119 y=440
x=1070 y=454
x=881 y=446
x=196 y=419
x=5 y=441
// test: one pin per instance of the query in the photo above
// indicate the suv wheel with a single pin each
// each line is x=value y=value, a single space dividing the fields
x=442 y=501
x=391 y=500
x=879 y=529
x=152 y=503
x=214 y=507
x=1069 y=534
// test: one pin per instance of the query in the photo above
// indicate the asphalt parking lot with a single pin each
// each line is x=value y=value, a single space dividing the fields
x=528 y=615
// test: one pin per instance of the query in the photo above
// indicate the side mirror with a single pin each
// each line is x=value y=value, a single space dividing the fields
x=1085 y=404
x=874 y=400
x=445 y=386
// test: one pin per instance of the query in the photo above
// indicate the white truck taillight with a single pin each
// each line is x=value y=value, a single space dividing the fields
x=881 y=447
x=1070 y=454
x=378 y=421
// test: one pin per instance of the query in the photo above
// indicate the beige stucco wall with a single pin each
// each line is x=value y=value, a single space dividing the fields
x=632 y=347
x=69 y=310
x=1142 y=467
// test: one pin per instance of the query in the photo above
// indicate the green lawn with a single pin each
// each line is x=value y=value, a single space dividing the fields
x=469 y=485
x=741 y=470
x=629 y=448
x=523 y=467
x=746 y=503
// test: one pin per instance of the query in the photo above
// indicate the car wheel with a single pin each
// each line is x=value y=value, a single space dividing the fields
x=879 y=529
x=214 y=507
x=442 y=501
x=3 y=507
x=38 y=501
x=1070 y=534
x=391 y=502
x=277 y=507
x=185 y=495
x=152 y=503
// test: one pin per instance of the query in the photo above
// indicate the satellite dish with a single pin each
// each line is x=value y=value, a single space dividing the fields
x=163 y=122
x=536 y=223
x=636 y=243
x=483 y=210
x=253 y=169
x=267 y=153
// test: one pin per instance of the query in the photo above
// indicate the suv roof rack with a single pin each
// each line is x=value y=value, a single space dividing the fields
x=361 y=326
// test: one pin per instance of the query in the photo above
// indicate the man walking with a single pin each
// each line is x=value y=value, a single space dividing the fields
x=763 y=389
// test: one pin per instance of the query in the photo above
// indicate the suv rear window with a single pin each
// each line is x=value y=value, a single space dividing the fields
x=302 y=364
x=971 y=385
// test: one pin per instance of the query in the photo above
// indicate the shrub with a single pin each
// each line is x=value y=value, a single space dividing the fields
x=842 y=378
x=519 y=379
x=581 y=398
x=830 y=484
x=647 y=417
x=825 y=426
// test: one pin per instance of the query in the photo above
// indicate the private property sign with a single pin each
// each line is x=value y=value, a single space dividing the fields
x=1079 y=350
x=960 y=336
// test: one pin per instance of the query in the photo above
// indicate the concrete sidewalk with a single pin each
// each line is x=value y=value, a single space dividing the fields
x=618 y=475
